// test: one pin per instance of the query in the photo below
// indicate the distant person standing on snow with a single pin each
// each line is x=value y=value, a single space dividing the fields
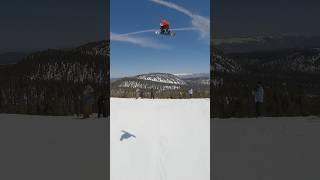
x=285 y=98
x=190 y=93
x=102 y=103
x=152 y=93
x=258 y=93
x=137 y=93
x=88 y=101
x=77 y=105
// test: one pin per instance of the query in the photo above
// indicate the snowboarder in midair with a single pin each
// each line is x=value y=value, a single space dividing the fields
x=164 y=26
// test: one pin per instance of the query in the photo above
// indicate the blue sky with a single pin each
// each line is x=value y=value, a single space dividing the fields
x=41 y=24
x=187 y=52
x=233 y=18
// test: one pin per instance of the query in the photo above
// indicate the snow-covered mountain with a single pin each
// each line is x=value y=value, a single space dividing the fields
x=307 y=61
x=162 y=78
x=221 y=63
x=158 y=81
x=266 y=43
x=283 y=60
x=162 y=83
x=193 y=75
x=100 y=48
x=131 y=83
x=293 y=60
x=46 y=82
x=87 y=63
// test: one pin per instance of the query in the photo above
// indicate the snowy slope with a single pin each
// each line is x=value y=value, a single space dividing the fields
x=64 y=148
x=268 y=148
x=172 y=139
x=52 y=148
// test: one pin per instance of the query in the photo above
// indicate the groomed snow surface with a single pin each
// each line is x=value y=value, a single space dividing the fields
x=52 y=148
x=267 y=148
x=67 y=148
x=172 y=139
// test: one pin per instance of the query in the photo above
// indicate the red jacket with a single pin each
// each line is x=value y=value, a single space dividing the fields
x=165 y=22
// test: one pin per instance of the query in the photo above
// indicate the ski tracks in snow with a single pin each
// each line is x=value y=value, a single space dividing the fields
x=162 y=155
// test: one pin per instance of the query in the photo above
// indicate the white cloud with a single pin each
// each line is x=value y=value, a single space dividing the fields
x=144 y=42
x=199 y=22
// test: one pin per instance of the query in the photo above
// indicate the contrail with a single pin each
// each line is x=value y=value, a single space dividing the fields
x=138 y=32
x=153 y=30
x=128 y=37
x=144 y=42
x=185 y=29
x=200 y=22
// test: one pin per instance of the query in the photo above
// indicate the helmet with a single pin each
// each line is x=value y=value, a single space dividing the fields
x=161 y=24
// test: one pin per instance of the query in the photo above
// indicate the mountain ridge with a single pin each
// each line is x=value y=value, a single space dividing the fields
x=163 y=83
